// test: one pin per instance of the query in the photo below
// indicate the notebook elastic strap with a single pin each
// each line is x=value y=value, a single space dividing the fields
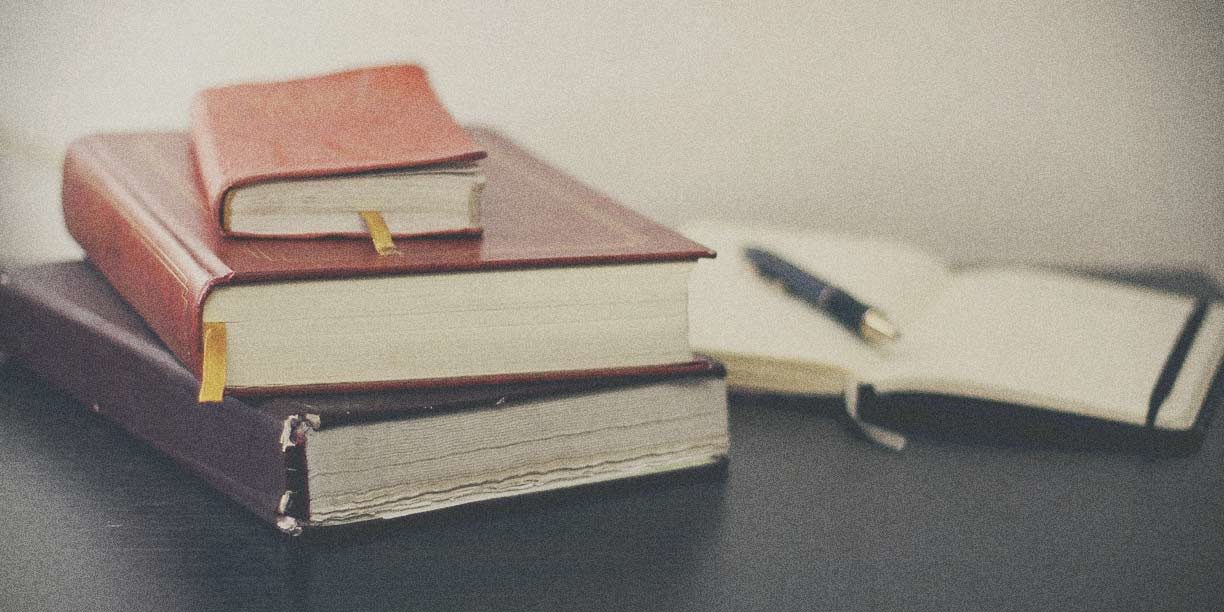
x=1177 y=358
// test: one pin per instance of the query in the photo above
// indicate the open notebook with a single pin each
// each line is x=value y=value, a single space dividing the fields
x=1023 y=337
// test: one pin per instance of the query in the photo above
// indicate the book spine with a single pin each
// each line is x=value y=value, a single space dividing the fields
x=155 y=273
x=236 y=448
x=204 y=150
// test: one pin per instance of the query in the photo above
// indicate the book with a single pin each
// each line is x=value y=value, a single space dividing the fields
x=305 y=157
x=1026 y=347
x=304 y=461
x=563 y=282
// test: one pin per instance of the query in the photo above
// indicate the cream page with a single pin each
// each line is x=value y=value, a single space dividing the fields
x=750 y=324
x=1042 y=339
x=1015 y=335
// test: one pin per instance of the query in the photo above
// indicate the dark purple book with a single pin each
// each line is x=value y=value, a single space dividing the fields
x=305 y=461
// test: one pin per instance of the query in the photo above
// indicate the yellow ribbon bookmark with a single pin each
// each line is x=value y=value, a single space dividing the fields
x=212 y=384
x=379 y=232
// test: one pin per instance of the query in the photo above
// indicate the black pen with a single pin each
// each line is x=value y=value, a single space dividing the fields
x=867 y=322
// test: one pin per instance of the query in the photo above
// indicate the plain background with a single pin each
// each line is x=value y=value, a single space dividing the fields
x=1059 y=132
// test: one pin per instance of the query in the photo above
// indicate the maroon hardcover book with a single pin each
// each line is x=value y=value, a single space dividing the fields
x=66 y=323
x=133 y=204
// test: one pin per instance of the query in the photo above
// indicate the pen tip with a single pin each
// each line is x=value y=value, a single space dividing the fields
x=876 y=328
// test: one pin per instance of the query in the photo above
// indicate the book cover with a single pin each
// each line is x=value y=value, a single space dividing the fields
x=131 y=202
x=358 y=121
x=63 y=321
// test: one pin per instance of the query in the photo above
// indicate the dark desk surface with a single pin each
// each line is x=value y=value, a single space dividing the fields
x=805 y=517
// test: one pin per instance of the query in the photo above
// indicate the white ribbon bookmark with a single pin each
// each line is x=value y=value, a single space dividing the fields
x=880 y=435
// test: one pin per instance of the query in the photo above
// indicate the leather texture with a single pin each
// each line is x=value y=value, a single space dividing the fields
x=131 y=201
x=357 y=121
x=66 y=323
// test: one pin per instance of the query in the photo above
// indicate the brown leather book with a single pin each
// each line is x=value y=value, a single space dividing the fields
x=304 y=157
x=564 y=282
x=315 y=461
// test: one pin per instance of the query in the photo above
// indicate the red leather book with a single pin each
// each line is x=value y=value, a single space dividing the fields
x=131 y=202
x=291 y=459
x=347 y=123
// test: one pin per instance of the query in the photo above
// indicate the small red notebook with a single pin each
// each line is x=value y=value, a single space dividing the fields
x=131 y=202
x=347 y=123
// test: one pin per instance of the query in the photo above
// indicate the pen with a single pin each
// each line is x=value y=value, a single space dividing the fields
x=866 y=321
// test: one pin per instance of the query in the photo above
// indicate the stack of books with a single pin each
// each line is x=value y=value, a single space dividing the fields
x=508 y=331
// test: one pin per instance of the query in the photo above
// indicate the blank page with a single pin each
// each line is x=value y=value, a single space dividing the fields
x=740 y=318
x=1042 y=339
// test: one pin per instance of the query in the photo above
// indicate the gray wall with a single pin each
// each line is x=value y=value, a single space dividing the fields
x=1069 y=132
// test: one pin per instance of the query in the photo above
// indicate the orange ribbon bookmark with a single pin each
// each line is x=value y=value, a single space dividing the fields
x=379 y=232
x=212 y=384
